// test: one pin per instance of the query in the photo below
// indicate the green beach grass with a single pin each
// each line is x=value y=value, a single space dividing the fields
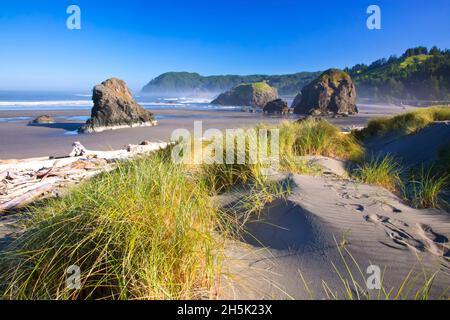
x=142 y=231
x=317 y=138
x=381 y=171
x=406 y=123
x=426 y=188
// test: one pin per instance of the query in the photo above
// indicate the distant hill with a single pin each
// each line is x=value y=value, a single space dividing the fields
x=419 y=74
x=192 y=83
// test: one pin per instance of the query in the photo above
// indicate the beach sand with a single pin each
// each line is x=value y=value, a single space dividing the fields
x=300 y=237
x=292 y=250
x=19 y=140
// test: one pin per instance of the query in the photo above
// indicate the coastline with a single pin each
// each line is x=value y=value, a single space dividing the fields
x=18 y=140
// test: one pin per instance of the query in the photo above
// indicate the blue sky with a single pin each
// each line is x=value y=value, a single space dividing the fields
x=138 y=40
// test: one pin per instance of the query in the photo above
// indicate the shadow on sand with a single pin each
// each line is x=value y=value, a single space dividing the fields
x=68 y=126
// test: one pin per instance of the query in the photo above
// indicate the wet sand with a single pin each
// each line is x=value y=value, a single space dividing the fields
x=20 y=140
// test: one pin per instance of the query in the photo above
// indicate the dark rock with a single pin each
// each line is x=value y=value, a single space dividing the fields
x=44 y=119
x=333 y=93
x=115 y=108
x=253 y=94
x=297 y=100
x=277 y=107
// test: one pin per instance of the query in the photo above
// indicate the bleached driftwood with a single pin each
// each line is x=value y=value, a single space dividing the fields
x=24 y=181
x=28 y=197
x=80 y=150
x=146 y=148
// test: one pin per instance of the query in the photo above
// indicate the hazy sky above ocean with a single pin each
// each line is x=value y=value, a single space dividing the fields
x=138 y=40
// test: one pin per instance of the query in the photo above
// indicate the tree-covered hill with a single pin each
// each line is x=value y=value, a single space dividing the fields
x=189 y=83
x=419 y=74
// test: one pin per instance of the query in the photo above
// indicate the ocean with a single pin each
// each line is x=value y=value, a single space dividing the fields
x=29 y=101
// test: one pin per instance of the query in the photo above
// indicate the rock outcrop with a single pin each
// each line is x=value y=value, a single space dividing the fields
x=333 y=93
x=278 y=106
x=297 y=100
x=44 y=119
x=115 y=108
x=253 y=94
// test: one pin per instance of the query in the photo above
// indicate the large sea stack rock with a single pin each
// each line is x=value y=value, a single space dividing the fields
x=333 y=93
x=252 y=94
x=115 y=108
x=276 y=107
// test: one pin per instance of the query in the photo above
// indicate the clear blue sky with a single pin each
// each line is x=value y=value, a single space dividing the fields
x=137 y=40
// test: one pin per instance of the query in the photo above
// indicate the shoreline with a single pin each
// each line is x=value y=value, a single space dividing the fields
x=18 y=140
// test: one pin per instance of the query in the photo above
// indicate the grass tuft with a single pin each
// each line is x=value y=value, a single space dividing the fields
x=426 y=189
x=380 y=171
x=317 y=137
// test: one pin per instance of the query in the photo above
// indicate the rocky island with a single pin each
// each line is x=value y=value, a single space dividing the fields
x=333 y=93
x=252 y=94
x=115 y=108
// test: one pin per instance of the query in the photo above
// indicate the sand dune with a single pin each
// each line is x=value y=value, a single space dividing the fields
x=300 y=237
x=415 y=149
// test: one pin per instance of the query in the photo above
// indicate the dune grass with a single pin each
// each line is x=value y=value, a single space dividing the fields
x=316 y=137
x=142 y=231
x=426 y=188
x=422 y=188
x=221 y=177
x=406 y=123
x=252 y=180
x=380 y=171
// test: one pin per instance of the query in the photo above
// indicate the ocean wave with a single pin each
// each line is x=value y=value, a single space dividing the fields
x=188 y=100
x=164 y=104
x=78 y=103
x=169 y=103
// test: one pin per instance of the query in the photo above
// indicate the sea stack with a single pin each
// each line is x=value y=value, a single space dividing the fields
x=278 y=106
x=251 y=94
x=333 y=93
x=115 y=108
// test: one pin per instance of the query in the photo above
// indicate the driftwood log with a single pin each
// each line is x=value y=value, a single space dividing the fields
x=28 y=197
x=25 y=181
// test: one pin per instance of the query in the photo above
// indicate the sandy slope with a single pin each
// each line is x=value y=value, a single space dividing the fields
x=415 y=149
x=300 y=235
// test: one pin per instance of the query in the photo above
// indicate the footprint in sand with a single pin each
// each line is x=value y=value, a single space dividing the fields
x=394 y=229
x=435 y=242
x=357 y=207
x=390 y=207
